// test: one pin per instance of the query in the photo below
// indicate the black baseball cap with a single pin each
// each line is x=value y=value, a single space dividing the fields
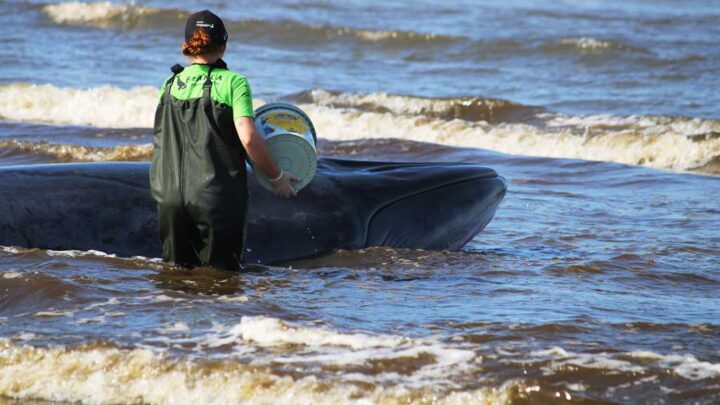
x=209 y=22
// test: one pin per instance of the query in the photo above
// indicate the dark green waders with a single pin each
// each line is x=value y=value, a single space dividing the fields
x=198 y=180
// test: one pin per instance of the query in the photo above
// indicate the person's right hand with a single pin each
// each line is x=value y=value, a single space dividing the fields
x=282 y=187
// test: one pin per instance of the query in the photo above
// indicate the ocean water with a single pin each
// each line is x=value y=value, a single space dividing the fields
x=598 y=281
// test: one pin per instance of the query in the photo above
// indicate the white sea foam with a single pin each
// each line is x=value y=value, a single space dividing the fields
x=662 y=142
x=79 y=153
x=661 y=146
x=78 y=253
x=111 y=301
x=434 y=360
x=234 y=298
x=165 y=298
x=105 y=106
x=97 y=13
x=685 y=365
x=26 y=336
x=116 y=314
x=587 y=43
x=443 y=362
x=54 y=314
x=556 y=352
x=175 y=327
x=92 y=375
x=576 y=387
x=469 y=108
x=268 y=332
x=646 y=125
x=376 y=36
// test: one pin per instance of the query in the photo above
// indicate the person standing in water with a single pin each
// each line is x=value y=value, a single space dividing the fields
x=204 y=129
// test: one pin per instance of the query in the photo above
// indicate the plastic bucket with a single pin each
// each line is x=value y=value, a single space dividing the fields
x=292 y=141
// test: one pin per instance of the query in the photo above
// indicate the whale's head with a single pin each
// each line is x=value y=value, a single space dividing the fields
x=355 y=204
x=422 y=205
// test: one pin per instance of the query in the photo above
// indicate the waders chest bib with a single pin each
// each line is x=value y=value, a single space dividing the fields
x=198 y=179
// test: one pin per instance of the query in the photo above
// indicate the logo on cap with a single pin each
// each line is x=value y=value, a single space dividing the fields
x=202 y=24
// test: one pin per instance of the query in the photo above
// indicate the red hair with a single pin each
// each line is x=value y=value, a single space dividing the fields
x=201 y=43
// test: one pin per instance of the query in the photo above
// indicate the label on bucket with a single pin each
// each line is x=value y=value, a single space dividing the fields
x=289 y=122
x=291 y=140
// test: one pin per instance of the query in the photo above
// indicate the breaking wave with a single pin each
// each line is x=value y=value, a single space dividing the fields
x=100 y=14
x=464 y=108
x=106 y=106
x=91 y=374
x=661 y=142
x=283 y=371
x=677 y=143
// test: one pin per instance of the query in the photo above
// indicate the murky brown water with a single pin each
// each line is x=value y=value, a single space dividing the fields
x=595 y=281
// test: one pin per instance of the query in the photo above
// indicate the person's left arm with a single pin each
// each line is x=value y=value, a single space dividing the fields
x=254 y=144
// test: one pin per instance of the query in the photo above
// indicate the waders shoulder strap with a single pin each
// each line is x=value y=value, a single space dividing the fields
x=207 y=87
x=176 y=69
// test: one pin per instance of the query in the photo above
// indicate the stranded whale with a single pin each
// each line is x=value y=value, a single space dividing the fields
x=349 y=205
